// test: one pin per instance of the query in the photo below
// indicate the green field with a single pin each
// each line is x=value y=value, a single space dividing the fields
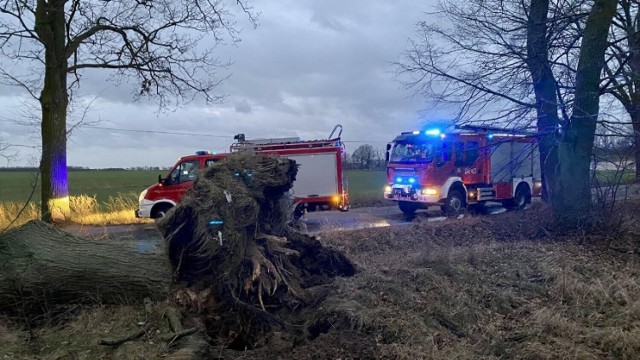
x=16 y=186
x=365 y=187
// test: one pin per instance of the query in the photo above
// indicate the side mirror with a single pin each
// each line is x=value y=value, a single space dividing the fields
x=386 y=154
x=160 y=180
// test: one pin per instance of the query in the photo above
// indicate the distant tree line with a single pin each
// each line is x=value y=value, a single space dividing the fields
x=365 y=157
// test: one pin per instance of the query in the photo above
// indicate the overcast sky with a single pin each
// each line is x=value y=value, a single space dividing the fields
x=308 y=66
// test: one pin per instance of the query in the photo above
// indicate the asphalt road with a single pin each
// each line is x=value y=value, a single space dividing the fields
x=147 y=238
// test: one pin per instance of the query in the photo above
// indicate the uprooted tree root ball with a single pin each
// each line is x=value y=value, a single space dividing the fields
x=245 y=273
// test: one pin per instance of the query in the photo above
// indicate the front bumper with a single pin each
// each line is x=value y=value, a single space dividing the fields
x=144 y=209
x=398 y=194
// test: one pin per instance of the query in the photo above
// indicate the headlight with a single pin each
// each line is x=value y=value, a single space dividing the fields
x=142 y=195
x=387 y=188
x=429 y=191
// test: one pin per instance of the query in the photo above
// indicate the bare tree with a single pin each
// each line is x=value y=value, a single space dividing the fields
x=5 y=150
x=165 y=45
x=364 y=157
x=501 y=60
x=623 y=67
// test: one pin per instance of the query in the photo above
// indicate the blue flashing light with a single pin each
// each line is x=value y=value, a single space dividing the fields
x=398 y=179
x=432 y=132
x=412 y=180
x=416 y=132
x=216 y=222
x=490 y=136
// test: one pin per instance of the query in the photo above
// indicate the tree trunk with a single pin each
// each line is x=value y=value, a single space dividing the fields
x=632 y=102
x=635 y=120
x=544 y=86
x=41 y=265
x=51 y=27
x=572 y=200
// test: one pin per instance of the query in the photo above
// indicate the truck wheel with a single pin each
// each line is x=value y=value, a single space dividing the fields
x=454 y=203
x=408 y=208
x=298 y=212
x=520 y=200
x=160 y=211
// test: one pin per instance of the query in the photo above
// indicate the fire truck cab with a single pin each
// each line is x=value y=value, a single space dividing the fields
x=157 y=199
x=466 y=166
x=320 y=183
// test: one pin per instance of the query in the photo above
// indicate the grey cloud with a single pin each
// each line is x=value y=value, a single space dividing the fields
x=243 y=106
x=308 y=66
x=327 y=22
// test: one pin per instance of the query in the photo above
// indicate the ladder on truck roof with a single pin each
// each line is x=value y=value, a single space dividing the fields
x=482 y=128
x=289 y=142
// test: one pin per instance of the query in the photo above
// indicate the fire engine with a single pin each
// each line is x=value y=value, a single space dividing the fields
x=467 y=166
x=320 y=183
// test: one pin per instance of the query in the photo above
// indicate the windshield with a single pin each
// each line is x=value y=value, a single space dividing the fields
x=410 y=152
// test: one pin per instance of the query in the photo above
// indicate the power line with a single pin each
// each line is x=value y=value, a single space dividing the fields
x=185 y=134
x=155 y=131
x=23 y=146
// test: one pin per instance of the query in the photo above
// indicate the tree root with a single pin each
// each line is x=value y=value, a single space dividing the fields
x=172 y=338
x=257 y=311
x=173 y=317
x=122 y=340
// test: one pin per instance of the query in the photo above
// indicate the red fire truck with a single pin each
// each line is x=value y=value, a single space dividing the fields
x=468 y=165
x=320 y=183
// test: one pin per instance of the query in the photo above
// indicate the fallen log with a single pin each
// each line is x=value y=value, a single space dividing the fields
x=41 y=266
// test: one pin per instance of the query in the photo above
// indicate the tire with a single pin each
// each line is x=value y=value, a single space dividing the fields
x=161 y=211
x=408 y=208
x=455 y=203
x=298 y=212
x=520 y=199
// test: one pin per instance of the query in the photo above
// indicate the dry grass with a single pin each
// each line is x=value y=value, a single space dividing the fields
x=13 y=215
x=85 y=210
x=79 y=338
x=491 y=287
x=487 y=288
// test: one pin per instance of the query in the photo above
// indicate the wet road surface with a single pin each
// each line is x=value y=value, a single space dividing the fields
x=147 y=238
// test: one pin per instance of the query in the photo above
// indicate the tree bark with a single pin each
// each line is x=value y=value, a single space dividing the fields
x=41 y=265
x=51 y=28
x=635 y=119
x=544 y=86
x=632 y=103
x=572 y=200
x=565 y=163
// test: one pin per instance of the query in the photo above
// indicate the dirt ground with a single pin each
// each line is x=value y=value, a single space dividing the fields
x=501 y=286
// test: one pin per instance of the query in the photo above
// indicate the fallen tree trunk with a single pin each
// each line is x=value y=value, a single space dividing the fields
x=41 y=265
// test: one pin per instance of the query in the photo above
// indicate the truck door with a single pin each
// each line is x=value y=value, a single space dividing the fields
x=179 y=180
x=444 y=166
x=468 y=162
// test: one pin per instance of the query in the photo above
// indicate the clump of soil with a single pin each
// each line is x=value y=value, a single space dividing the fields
x=244 y=272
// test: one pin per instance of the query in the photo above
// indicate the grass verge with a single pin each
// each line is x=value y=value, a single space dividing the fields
x=491 y=287
x=85 y=210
